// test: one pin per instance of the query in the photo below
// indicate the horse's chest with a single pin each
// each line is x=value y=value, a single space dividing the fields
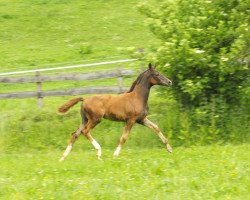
x=144 y=112
x=141 y=112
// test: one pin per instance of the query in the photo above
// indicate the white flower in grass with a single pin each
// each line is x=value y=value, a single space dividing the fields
x=224 y=59
x=199 y=51
x=166 y=65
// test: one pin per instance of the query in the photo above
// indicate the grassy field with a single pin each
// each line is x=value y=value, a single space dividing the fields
x=49 y=32
x=214 y=172
x=44 y=33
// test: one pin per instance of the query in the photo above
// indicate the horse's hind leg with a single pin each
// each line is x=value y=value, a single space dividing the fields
x=146 y=122
x=73 y=138
x=86 y=132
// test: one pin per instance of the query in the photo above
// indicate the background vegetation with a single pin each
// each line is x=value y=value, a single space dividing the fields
x=204 y=47
x=205 y=50
x=201 y=45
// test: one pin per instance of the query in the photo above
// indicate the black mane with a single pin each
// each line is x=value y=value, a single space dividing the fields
x=137 y=81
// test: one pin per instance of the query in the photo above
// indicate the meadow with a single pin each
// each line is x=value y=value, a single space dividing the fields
x=211 y=146
x=211 y=172
x=53 y=32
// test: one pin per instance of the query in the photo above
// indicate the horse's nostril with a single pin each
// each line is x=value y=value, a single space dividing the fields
x=170 y=82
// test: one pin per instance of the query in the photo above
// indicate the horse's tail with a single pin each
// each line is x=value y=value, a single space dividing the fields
x=65 y=107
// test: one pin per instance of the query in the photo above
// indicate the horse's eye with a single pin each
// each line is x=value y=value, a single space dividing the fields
x=157 y=74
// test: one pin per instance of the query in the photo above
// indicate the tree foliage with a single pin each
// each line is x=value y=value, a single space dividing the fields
x=203 y=47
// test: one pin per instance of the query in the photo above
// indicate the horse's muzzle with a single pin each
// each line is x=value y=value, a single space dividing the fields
x=167 y=83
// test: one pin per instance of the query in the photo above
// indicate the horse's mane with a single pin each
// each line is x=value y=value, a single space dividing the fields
x=138 y=80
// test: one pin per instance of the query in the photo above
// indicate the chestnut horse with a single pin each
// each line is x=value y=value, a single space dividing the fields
x=130 y=107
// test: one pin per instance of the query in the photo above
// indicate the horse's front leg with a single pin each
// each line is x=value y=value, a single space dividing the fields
x=146 y=122
x=124 y=137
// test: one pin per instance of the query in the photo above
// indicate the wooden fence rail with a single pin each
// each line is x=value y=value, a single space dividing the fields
x=39 y=79
x=66 y=77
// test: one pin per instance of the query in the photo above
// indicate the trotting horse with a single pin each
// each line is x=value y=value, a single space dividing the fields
x=130 y=107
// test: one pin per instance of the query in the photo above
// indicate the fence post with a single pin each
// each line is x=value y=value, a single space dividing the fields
x=120 y=78
x=39 y=91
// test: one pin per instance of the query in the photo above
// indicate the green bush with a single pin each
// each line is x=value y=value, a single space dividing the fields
x=204 y=47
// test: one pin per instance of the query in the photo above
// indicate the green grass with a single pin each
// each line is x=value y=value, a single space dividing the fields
x=47 y=32
x=43 y=33
x=213 y=172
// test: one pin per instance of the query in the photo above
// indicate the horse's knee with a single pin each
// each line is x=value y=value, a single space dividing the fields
x=156 y=128
x=75 y=136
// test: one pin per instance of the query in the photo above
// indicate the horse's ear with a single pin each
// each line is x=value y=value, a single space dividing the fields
x=150 y=66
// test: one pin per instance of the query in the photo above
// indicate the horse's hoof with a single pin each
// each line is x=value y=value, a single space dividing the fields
x=169 y=148
x=115 y=155
x=61 y=159
x=99 y=158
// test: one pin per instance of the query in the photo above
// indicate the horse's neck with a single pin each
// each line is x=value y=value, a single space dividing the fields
x=142 y=91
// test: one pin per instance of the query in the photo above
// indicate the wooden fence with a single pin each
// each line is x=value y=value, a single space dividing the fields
x=39 y=79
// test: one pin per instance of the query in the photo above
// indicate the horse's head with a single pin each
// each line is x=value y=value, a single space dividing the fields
x=156 y=78
x=150 y=77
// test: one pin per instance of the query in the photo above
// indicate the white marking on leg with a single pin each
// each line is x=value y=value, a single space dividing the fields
x=66 y=153
x=169 y=148
x=95 y=144
x=98 y=147
x=117 y=151
x=151 y=125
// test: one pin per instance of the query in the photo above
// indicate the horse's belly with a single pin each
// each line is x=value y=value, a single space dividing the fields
x=114 y=117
